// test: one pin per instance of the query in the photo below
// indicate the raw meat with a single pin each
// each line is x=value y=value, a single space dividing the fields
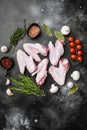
x=34 y=49
x=55 y=52
x=33 y=52
x=59 y=73
x=42 y=49
x=41 y=72
x=21 y=62
x=25 y=61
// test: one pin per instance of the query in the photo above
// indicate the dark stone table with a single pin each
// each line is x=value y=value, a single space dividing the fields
x=54 y=111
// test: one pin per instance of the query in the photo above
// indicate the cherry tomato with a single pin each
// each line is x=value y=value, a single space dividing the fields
x=72 y=44
x=80 y=58
x=80 y=52
x=79 y=47
x=72 y=50
x=73 y=57
x=77 y=41
x=71 y=39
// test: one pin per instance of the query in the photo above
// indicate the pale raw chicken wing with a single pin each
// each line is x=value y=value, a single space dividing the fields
x=21 y=62
x=55 y=52
x=41 y=72
x=25 y=61
x=59 y=73
x=33 y=52
x=34 y=49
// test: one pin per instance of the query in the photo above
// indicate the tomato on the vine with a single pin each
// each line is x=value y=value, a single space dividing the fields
x=80 y=58
x=72 y=50
x=71 y=39
x=80 y=52
x=77 y=41
x=73 y=57
x=75 y=49
x=72 y=44
x=79 y=47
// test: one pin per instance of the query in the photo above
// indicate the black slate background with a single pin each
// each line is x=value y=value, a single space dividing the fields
x=57 y=111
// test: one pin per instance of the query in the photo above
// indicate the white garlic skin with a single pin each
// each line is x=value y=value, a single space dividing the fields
x=4 y=49
x=9 y=92
x=54 y=89
x=75 y=75
x=7 y=82
x=70 y=84
x=65 y=30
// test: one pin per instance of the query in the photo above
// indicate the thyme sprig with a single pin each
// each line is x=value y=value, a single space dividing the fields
x=18 y=34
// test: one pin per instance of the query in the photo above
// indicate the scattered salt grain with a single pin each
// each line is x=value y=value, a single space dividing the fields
x=36 y=120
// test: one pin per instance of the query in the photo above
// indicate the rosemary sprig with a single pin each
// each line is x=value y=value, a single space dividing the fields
x=26 y=86
x=18 y=34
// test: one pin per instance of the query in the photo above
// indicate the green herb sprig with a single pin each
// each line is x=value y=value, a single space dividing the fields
x=26 y=86
x=18 y=34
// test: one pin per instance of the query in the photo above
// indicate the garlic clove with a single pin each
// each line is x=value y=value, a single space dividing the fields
x=9 y=92
x=7 y=81
x=4 y=49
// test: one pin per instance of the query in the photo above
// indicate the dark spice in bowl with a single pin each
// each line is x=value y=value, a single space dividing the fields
x=6 y=62
x=33 y=30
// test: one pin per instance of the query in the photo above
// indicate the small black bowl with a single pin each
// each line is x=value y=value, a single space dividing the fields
x=9 y=64
x=33 y=27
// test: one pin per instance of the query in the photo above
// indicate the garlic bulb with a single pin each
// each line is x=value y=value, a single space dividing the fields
x=4 y=49
x=75 y=75
x=9 y=92
x=53 y=89
x=65 y=30
x=7 y=82
x=70 y=84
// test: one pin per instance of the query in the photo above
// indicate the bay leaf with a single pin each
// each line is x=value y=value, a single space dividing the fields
x=73 y=90
x=47 y=30
x=59 y=35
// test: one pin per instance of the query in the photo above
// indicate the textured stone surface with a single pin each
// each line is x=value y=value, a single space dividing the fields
x=53 y=112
